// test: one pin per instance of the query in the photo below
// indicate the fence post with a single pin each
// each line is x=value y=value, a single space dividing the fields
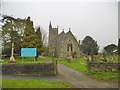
x=55 y=67
x=88 y=65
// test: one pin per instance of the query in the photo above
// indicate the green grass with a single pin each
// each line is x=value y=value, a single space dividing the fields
x=104 y=75
x=25 y=60
x=29 y=83
x=0 y=80
x=112 y=58
x=80 y=65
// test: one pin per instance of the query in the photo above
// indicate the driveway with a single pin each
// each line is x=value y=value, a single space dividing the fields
x=79 y=80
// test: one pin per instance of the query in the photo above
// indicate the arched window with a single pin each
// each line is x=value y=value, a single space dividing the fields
x=69 y=47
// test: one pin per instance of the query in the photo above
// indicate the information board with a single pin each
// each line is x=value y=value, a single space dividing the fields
x=28 y=52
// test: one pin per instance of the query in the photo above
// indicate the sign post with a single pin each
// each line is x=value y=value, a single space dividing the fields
x=22 y=59
x=28 y=52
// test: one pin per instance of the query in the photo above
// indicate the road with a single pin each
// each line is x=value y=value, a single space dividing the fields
x=51 y=78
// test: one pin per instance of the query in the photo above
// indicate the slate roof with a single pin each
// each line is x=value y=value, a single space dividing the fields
x=61 y=37
x=58 y=38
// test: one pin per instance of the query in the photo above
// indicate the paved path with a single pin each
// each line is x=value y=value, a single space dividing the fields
x=51 y=78
x=79 y=80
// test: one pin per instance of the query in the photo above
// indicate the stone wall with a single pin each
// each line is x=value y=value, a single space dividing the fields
x=103 y=66
x=31 y=69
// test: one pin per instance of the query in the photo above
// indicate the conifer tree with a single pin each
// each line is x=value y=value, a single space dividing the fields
x=29 y=35
x=39 y=41
x=89 y=46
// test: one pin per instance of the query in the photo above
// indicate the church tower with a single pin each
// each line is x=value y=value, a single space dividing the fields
x=53 y=32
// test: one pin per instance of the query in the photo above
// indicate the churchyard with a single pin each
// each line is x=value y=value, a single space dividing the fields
x=81 y=65
x=74 y=63
x=77 y=64
x=98 y=67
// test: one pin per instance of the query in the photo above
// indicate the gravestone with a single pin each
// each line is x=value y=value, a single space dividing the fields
x=96 y=58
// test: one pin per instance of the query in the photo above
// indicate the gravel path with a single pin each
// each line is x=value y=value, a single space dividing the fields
x=79 y=80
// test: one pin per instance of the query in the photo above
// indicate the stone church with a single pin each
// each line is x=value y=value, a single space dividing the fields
x=63 y=45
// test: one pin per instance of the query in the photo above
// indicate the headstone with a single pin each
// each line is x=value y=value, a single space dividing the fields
x=89 y=58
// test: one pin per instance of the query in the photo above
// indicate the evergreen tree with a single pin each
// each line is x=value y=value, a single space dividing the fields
x=89 y=46
x=39 y=41
x=29 y=35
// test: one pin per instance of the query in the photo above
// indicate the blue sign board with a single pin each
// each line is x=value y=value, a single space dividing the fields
x=28 y=52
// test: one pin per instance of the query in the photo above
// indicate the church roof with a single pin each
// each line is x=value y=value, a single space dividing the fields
x=58 y=37
x=61 y=37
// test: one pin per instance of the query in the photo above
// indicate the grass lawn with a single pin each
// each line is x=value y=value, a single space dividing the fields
x=0 y=81
x=29 y=83
x=25 y=60
x=104 y=75
x=80 y=65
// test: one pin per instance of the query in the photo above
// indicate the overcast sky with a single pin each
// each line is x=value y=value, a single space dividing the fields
x=96 y=19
